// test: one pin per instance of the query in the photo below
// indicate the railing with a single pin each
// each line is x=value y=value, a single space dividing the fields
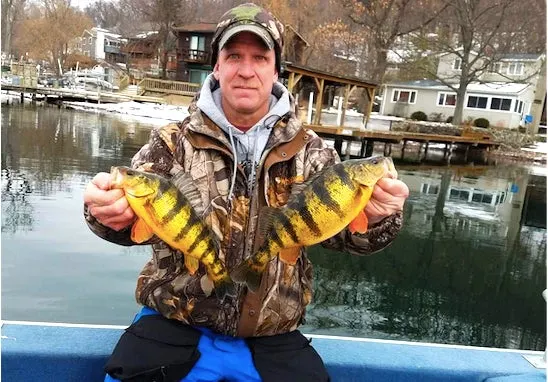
x=169 y=87
x=123 y=82
x=193 y=55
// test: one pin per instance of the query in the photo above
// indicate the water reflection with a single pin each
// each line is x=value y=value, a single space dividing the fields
x=468 y=267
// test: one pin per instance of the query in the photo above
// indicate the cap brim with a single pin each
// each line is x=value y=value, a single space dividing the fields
x=255 y=29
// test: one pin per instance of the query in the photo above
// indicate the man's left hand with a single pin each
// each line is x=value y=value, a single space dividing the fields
x=388 y=198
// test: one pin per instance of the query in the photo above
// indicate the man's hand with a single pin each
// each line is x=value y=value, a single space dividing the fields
x=388 y=197
x=108 y=206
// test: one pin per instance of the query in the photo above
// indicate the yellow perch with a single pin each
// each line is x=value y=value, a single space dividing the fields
x=164 y=211
x=317 y=210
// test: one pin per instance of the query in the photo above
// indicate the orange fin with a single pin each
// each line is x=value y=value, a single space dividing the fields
x=290 y=255
x=192 y=264
x=359 y=224
x=141 y=232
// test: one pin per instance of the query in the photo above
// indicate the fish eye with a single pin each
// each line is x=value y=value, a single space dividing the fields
x=130 y=172
x=375 y=161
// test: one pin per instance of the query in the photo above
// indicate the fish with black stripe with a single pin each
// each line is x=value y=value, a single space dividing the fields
x=318 y=209
x=171 y=210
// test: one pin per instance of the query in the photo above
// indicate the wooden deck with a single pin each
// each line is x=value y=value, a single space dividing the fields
x=368 y=139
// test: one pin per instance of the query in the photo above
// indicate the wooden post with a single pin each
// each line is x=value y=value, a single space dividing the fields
x=371 y=95
x=403 y=148
x=426 y=149
x=345 y=102
x=369 y=148
x=319 y=101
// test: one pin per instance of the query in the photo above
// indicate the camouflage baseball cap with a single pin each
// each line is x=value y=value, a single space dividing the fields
x=248 y=18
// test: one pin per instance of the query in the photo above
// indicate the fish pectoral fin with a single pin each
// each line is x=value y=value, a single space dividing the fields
x=192 y=264
x=359 y=224
x=141 y=232
x=290 y=255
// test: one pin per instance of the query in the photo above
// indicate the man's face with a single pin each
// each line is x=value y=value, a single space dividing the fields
x=246 y=71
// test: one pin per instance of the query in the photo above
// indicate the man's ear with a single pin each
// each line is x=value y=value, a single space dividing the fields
x=216 y=71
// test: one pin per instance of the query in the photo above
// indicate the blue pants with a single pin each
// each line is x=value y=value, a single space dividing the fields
x=222 y=358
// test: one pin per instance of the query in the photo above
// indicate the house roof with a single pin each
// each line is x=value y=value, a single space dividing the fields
x=199 y=27
x=510 y=88
x=522 y=57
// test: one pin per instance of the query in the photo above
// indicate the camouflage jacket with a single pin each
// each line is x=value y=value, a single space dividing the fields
x=200 y=148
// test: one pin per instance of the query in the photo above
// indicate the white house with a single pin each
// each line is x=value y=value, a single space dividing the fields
x=101 y=44
x=510 y=93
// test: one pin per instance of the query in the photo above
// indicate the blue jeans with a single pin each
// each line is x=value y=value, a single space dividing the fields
x=223 y=358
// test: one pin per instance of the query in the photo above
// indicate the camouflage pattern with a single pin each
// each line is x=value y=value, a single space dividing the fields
x=200 y=148
x=249 y=14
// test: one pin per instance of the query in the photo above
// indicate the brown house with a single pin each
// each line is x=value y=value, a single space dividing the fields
x=194 y=51
x=142 y=52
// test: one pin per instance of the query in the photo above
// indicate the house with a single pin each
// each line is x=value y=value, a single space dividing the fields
x=194 y=51
x=143 y=55
x=101 y=44
x=503 y=104
x=511 y=93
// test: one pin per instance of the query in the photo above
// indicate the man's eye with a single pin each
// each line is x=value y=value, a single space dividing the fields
x=233 y=56
x=260 y=58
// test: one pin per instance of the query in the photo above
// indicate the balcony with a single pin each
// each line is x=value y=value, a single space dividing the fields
x=194 y=55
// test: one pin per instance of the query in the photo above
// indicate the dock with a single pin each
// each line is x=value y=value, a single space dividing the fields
x=368 y=138
x=66 y=94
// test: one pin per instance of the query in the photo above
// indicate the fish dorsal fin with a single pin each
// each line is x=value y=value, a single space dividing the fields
x=186 y=185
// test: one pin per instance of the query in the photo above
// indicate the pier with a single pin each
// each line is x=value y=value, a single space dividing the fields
x=368 y=138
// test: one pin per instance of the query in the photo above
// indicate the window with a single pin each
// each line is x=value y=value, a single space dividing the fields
x=457 y=64
x=447 y=99
x=198 y=76
x=197 y=43
x=404 y=96
x=515 y=68
x=495 y=67
x=431 y=189
x=477 y=102
x=500 y=103
x=518 y=107
x=459 y=194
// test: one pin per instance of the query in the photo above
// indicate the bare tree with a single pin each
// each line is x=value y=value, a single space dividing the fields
x=478 y=33
x=384 y=21
x=46 y=35
x=12 y=11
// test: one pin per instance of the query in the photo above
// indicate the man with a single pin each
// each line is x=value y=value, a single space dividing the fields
x=243 y=147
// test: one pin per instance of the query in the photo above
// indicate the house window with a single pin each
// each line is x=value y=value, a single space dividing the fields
x=198 y=76
x=457 y=64
x=515 y=68
x=518 y=107
x=477 y=102
x=431 y=189
x=500 y=103
x=495 y=67
x=459 y=194
x=447 y=99
x=404 y=96
x=197 y=43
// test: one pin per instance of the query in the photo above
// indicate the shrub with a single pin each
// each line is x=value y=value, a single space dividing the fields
x=419 y=116
x=481 y=122
x=449 y=119
x=435 y=117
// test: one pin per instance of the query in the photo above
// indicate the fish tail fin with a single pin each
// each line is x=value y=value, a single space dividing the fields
x=224 y=287
x=249 y=273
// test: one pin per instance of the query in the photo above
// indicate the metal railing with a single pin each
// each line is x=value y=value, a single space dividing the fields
x=194 y=55
x=169 y=87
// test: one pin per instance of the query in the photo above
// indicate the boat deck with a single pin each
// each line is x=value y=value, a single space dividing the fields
x=64 y=352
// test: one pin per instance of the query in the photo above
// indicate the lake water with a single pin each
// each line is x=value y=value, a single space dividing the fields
x=468 y=267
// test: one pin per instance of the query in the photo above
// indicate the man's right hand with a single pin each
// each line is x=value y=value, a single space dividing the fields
x=108 y=206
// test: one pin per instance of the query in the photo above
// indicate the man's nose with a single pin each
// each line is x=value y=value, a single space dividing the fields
x=246 y=69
